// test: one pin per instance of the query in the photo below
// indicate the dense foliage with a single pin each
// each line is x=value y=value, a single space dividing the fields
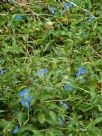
x=50 y=68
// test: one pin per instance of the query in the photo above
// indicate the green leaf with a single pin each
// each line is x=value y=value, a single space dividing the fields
x=20 y=118
x=100 y=107
x=94 y=122
x=53 y=115
x=30 y=128
x=45 y=96
x=41 y=118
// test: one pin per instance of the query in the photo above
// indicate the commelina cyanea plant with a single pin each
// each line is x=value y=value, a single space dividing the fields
x=50 y=68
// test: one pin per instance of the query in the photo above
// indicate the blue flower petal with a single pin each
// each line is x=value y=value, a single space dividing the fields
x=27 y=105
x=19 y=18
x=91 y=18
x=28 y=98
x=60 y=121
x=52 y=10
x=23 y=93
x=67 y=6
x=66 y=87
x=45 y=70
x=42 y=72
x=64 y=105
x=1 y=72
x=81 y=70
x=22 y=101
x=15 y=129
x=43 y=76
x=71 y=89
x=39 y=72
x=77 y=74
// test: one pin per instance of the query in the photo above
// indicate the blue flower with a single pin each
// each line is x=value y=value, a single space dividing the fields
x=42 y=72
x=15 y=129
x=1 y=72
x=28 y=98
x=27 y=105
x=77 y=74
x=45 y=70
x=23 y=93
x=91 y=18
x=24 y=103
x=52 y=10
x=19 y=18
x=64 y=105
x=68 y=87
x=60 y=121
x=39 y=72
x=67 y=6
x=81 y=71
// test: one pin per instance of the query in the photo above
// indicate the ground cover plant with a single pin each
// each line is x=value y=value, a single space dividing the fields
x=50 y=68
